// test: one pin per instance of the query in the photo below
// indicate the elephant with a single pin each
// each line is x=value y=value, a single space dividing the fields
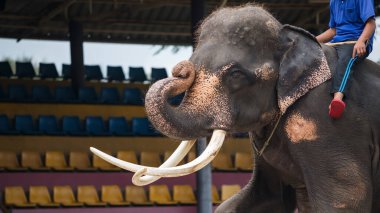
x=250 y=73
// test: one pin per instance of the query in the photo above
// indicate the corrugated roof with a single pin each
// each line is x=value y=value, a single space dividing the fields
x=135 y=21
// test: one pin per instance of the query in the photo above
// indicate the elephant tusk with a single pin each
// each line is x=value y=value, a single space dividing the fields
x=205 y=158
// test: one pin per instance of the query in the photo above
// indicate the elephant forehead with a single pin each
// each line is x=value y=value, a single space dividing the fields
x=298 y=128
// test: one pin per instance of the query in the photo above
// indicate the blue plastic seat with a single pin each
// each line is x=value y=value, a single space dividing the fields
x=132 y=96
x=5 y=69
x=47 y=124
x=119 y=126
x=5 y=128
x=93 y=72
x=87 y=95
x=71 y=125
x=25 y=70
x=143 y=127
x=24 y=125
x=66 y=71
x=41 y=93
x=158 y=74
x=17 y=93
x=48 y=71
x=115 y=73
x=2 y=95
x=109 y=95
x=95 y=126
x=137 y=74
x=65 y=94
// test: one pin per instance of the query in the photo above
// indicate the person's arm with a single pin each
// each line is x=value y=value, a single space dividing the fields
x=326 y=36
x=360 y=48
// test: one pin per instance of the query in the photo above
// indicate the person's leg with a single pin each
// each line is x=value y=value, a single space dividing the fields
x=337 y=105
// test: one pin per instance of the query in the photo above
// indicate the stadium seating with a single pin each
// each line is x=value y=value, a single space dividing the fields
x=95 y=126
x=115 y=73
x=41 y=93
x=5 y=69
x=183 y=194
x=129 y=156
x=71 y=125
x=25 y=70
x=137 y=74
x=15 y=197
x=56 y=160
x=93 y=72
x=64 y=195
x=40 y=195
x=65 y=94
x=88 y=195
x=32 y=160
x=223 y=162
x=17 y=93
x=229 y=190
x=158 y=74
x=47 y=124
x=87 y=95
x=112 y=195
x=160 y=195
x=118 y=126
x=48 y=71
x=80 y=161
x=215 y=195
x=132 y=96
x=66 y=71
x=150 y=159
x=109 y=95
x=136 y=195
x=101 y=164
x=142 y=127
x=8 y=160
x=243 y=161
x=5 y=127
x=24 y=125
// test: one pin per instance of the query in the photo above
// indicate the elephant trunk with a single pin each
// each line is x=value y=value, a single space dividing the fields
x=174 y=121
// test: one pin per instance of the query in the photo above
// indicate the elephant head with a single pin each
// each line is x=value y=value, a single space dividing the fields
x=246 y=69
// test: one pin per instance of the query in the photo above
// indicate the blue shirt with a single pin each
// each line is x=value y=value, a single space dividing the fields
x=349 y=17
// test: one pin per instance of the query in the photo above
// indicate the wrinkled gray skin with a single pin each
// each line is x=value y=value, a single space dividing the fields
x=247 y=68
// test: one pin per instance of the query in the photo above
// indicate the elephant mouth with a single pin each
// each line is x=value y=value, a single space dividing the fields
x=145 y=175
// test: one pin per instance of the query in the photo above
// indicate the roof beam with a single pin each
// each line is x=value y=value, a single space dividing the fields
x=56 y=11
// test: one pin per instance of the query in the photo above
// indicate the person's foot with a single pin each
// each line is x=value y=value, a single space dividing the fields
x=336 y=108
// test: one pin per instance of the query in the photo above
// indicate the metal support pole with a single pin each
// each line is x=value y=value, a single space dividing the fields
x=76 y=49
x=204 y=180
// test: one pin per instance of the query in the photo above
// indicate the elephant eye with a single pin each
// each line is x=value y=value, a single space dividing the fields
x=237 y=79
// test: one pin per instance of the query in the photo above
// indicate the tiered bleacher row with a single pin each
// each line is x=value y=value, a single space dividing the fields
x=80 y=161
x=110 y=195
x=92 y=72
x=46 y=130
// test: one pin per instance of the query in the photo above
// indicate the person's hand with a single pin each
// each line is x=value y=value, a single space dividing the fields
x=359 y=49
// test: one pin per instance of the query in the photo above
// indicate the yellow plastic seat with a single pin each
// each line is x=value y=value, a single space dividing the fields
x=112 y=195
x=88 y=195
x=126 y=155
x=136 y=195
x=80 y=161
x=40 y=195
x=101 y=164
x=8 y=160
x=184 y=194
x=167 y=154
x=64 y=195
x=15 y=196
x=229 y=190
x=56 y=160
x=215 y=195
x=244 y=161
x=223 y=162
x=150 y=159
x=160 y=195
x=32 y=160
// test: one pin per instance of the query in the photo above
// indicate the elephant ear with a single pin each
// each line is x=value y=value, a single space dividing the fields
x=303 y=65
